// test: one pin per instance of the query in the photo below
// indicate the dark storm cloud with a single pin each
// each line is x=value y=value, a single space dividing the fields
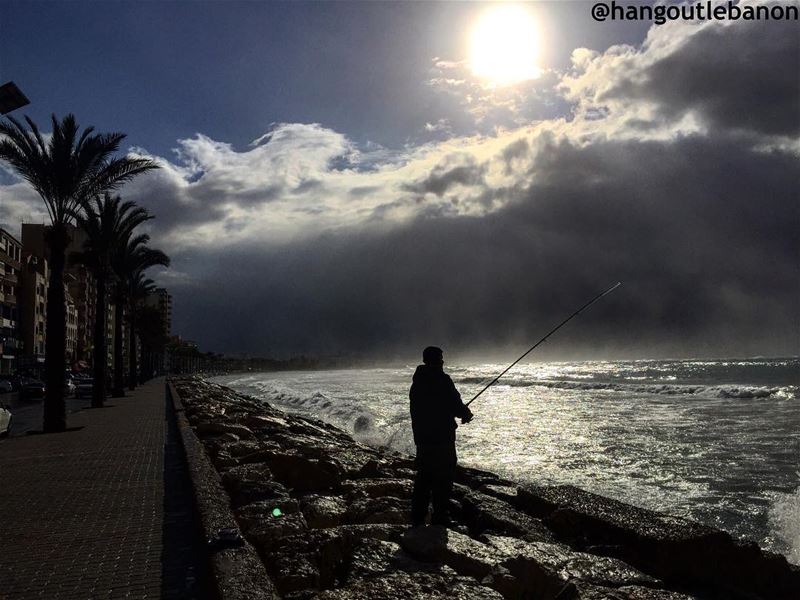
x=364 y=190
x=216 y=191
x=702 y=228
x=453 y=171
x=303 y=244
x=702 y=233
x=742 y=77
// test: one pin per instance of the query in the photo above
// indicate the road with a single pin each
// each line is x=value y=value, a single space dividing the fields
x=27 y=414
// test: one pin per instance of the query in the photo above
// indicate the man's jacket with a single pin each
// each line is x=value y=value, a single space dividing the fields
x=434 y=404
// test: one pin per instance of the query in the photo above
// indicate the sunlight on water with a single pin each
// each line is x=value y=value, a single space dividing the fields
x=715 y=441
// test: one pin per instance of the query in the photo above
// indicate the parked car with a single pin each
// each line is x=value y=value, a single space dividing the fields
x=83 y=387
x=14 y=380
x=31 y=388
x=5 y=420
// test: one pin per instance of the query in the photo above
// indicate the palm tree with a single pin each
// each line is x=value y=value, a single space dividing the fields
x=152 y=334
x=140 y=288
x=108 y=223
x=129 y=263
x=66 y=171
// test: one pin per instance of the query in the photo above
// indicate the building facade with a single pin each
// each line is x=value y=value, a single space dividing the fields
x=33 y=312
x=10 y=267
x=71 y=339
x=162 y=300
x=79 y=281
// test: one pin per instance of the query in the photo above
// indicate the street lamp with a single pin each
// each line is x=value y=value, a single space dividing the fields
x=11 y=98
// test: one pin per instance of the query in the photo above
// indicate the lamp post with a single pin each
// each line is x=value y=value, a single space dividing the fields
x=11 y=98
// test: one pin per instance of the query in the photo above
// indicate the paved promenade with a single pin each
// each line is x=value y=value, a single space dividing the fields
x=104 y=511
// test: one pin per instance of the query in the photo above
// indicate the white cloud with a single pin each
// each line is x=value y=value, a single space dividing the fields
x=655 y=184
x=303 y=180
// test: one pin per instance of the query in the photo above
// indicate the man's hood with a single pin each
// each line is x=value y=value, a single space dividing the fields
x=424 y=372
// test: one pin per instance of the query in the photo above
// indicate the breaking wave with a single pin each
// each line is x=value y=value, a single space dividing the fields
x=670 y=389
x=784 y=519
x=363 y=424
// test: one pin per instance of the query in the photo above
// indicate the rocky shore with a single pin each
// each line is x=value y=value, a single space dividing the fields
x=328 y=518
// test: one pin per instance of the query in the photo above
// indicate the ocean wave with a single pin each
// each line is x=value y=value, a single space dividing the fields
x=784 y=519
x=348 y=414
x=670 y=389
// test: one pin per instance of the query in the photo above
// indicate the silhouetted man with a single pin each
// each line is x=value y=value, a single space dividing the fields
x=435 y=403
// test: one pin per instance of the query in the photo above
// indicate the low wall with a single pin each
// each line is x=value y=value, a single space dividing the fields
x=237 y=572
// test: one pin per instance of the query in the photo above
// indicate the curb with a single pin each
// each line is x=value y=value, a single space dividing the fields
x=238 y=573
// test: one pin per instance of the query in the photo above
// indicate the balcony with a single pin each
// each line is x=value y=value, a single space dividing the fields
x=8 y=299
x=12 y=262
x=9 y=278
x=10 y=344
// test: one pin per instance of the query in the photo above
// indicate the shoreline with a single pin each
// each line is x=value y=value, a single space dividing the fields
x=341 y=523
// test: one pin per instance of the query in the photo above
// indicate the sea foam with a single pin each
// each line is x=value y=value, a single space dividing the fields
x=784 y=519
x=669 y=389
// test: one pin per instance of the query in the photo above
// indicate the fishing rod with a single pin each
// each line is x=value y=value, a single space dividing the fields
x=541 y=341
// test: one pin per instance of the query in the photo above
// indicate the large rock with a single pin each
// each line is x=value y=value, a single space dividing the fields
x=224 y=461
x=584 y=591
x=486 y=513
x=681 y=552
x=464 y=554
x=476 y=478
x=262 y=423
x=254 y=514
x=293 y=572
x=378 y=557
x=250 y=483
x=403 y=586
x=543 y=570
x=503 y=492
x=379 y=510
x=377 y=488
x=303 y=474
x=324 y=511
x=328 y=551
x=353 y=457
x=269 y=533
x=240 y=448
x=209 y=428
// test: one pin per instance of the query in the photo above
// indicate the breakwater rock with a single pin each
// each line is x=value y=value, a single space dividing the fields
x=329 y=518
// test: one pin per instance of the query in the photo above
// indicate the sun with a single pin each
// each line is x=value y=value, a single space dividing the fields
x=504 y=46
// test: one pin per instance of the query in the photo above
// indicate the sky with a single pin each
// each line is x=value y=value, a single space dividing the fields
x=337 y=180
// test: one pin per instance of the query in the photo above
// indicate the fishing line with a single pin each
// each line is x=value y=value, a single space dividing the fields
x=559 y=326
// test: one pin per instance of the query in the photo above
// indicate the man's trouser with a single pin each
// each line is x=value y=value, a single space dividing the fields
x=436 y=466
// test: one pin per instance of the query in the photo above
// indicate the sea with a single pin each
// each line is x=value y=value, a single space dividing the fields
x=716 y=441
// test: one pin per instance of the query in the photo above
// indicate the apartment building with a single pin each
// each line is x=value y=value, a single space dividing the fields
x=71 y=339
x=162 y=300
x=33 y=311
x=80 y=283
x=10 y=266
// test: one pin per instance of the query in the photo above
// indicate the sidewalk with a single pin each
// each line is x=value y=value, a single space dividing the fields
x=101 y=512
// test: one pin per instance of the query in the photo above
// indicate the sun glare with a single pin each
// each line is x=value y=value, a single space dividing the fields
x=505 y=46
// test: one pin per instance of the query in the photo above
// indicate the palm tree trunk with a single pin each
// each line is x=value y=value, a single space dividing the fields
x=119 y=383
x=55 y=416
x=132 y=351
x=100 y=351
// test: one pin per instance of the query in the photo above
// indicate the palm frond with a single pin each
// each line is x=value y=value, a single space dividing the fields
x=69 y=169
